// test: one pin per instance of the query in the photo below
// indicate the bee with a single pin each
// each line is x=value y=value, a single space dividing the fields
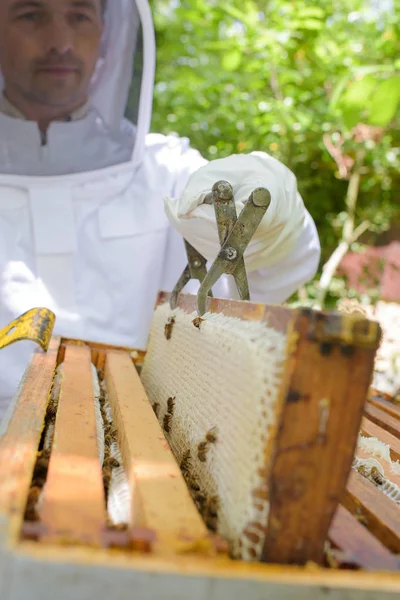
x=167 y=422
x=197 y=322
x=363 y=471
x=194 y=485
x=202 y=450
x=169 y=327
x=51 y=410
x=200 y=498
x=211 y=436
x=109 y=439
x=156 y=408
x=112 y=462
x=34 y=494
x=212 y=506
x=42 y=465
x=212 y=524
x=110 y=430
x=186 y=462
x=376 y=476
x=106 y=477
x=171 y=405
x=33 y=498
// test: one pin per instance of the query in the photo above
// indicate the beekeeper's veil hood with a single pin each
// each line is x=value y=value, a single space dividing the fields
x=123 y=81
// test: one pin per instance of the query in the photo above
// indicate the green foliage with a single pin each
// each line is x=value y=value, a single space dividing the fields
x=290 y=79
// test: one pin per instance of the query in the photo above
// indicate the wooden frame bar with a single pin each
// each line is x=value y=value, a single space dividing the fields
x=303 y=496
x=160 y=498
x=358 y=545
x=73 y=506
x=381 y=514
x=18 y=446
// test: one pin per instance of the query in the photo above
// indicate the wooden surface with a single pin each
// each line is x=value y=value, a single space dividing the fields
x=358 y=545
x=386 y=405
x=160 y=498
x=316 y=444
x=370 y=429
x=73 y=508
x=381 y=515
x=99 y=575
x=380 y=417
x=276 y=316
x=18 y=446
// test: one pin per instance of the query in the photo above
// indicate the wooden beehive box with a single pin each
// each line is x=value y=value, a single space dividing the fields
x=68 y=549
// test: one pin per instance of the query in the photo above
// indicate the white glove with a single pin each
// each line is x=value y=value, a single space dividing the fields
x=281 y=226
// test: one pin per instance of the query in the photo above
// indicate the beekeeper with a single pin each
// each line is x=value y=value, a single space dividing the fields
x=93 y=207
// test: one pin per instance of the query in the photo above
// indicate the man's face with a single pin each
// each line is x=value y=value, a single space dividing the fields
x=49 y=49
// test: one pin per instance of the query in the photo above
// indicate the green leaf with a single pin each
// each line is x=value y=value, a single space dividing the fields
x=351 y=116
x=358 y=93
x=237 y=14
x=338 y=90
x=385 y=102
x=308 y=11
x=231 y=60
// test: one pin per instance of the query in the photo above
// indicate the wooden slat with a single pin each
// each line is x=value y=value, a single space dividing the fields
x=370 y=429
x=382 y=418
x=19 y=445
x=382 y=514
x=160 y=498
x=73 y=505
x=315 y=447
x=387 y=406
x=277 y=317
x=358 y=545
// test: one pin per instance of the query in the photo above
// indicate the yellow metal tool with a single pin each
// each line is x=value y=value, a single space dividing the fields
x=35 y=325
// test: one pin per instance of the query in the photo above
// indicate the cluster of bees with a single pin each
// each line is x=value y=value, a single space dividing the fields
x=169 y=414
x=206 y=504
x=110 y=436
x=42 y=464
x=205 y=445
x=373 y=474
x=38 y=481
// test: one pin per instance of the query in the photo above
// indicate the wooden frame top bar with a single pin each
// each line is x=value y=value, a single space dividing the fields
x=323 y=327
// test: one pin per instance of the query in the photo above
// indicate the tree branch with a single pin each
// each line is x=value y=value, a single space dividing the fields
x=349 y=234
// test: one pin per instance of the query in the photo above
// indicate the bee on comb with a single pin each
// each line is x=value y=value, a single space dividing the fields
x=193 y=484
x=212 y=506
x=202 y=450
x=167 y=422
x=186 y=463
x=52 y=409
x=112 y=462
x=171 y=405
x=197 y=322
x=211 y=436
x=169 y=327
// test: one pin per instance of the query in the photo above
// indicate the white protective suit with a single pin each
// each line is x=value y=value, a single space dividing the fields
x=83 y=230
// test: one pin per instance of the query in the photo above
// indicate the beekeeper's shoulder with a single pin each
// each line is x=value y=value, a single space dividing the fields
x=174 y=154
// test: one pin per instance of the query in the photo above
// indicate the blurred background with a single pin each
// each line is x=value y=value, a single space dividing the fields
x=316 y=85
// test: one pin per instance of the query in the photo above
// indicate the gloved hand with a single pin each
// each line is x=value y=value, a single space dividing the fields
x=278 y=232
